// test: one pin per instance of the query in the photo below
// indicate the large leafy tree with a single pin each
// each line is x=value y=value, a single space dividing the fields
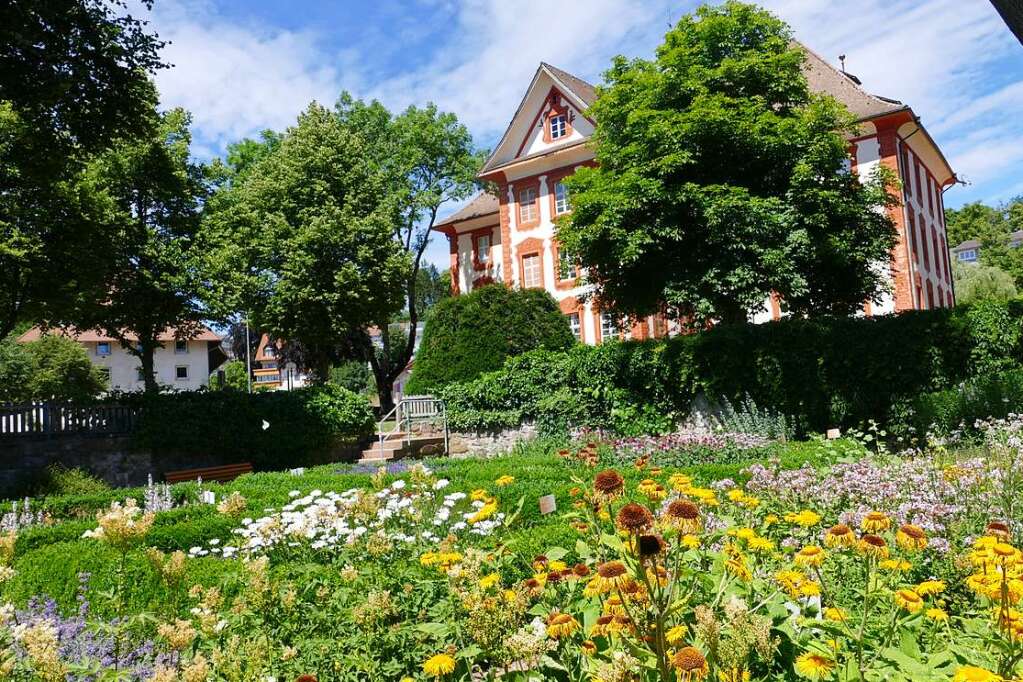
x=302 y=240
x=427 y=158
x=722 y=178
x=992 y=226
x=74 y=75
x=151 y=193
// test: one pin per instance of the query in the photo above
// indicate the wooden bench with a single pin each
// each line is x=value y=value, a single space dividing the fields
x=222 y=474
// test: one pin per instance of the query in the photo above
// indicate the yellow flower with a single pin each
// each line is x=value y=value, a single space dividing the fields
x=804 y=518
x=746 y=534
x=690 y=541
x=761 y=545
x=652 y=489
x=811 y=555
x=704 y=495
x=588 y=648
x=770 y=520
x=733 y=675
x=488 y=581
x=875 y=522
x=873 y=546
x=908 y=600
x=680 y=482
x=504 y=480
x=970 y=673
x=611 y=575
x=911 y=537
x=478 y=495
x=929 y=587
x=735 y=494
x=836 y=614
x=840 y=535
x=814 y=666
x=676 y=635
x=895 y=565
x=561 y=625
x=936 y=614
x=484 y=512
x=439 y=665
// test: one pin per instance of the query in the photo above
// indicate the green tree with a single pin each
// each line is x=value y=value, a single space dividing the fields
x=466 y=336
x=15 y=370
x=303 y=241
x=973 y=221
x=61 y=370
x=428 y=158
x=73 y=76
x=236 y=376
x=152 y=193
x=992 y=226
x=432 y=287
x=722 y=178
x=979 y=282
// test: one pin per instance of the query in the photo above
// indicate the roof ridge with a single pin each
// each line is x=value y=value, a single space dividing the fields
x=858 y=85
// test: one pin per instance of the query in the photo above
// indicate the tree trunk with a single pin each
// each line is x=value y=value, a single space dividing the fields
x=148 y=376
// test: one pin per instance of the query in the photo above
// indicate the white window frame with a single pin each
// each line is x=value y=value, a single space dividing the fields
x=105 y=373
x=99 y=348
x=532 y=275
x=575 y=323
x=608 y=327
x=483 y=251
x=561 y=202
x=528 y=207
x=180 y=346
x=565 y=259
x=967 y=256
x=559 y=126
x=177 y=375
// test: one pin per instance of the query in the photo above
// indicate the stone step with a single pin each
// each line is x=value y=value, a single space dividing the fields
x=395 y=449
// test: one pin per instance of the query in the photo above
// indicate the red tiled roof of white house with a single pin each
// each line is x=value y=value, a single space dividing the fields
x=95 y=335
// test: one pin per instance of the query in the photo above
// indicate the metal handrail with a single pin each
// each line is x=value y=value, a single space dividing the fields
x=409 y=409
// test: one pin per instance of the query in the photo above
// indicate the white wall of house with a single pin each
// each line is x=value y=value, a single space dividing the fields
x=180 y=366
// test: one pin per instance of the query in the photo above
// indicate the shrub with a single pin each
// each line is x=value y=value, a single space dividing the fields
x=236 y=376
x=60 y=480
x=991 y=395
x=301 y=425
x=466 y=336
x=817 y=373
x=53 y=367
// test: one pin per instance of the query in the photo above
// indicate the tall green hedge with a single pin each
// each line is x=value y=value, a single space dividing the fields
x=822 y=373
x=466 y=336
x=300 y=424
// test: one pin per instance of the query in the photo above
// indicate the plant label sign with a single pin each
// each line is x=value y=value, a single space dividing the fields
x=547 y=504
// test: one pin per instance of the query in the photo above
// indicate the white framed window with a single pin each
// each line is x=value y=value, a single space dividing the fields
x=567 y=268
x=483 y=248
x=180 y=346
x=105 y=373
x=559 y=126
x=576 y=326
x=531 y=276
x=103 y=348
x=527 y=205
x=561 y=203
x=181 y=372
x=608 y=327
x=968 y=256
x=268 y=350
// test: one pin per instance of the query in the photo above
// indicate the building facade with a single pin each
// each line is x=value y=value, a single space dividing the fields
x=182 y=364
x=271 y=372
x=509 y=236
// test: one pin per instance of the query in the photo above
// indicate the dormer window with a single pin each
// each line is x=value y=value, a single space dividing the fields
x=559 y=126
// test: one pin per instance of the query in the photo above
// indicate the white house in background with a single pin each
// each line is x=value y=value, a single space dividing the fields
x=969 y=251
x=181 y=364
x=269 y=373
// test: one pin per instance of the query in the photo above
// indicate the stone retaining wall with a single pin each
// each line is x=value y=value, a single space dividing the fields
x=484 y=443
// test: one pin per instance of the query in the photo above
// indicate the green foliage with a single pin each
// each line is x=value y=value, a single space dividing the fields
x=818 y=373
x=353 y=375
x=236 y=375
x=303 y=424
x=722 y=178
x=993 y=228
x=468 y=335
x=74 y=75
x=304 y=240
x=994 y=395
x=977 y=282
x=60 y=480
x=53 y=367
x=151 y=192
x=746 y=417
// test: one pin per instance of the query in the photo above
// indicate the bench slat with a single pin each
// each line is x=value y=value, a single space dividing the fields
x=222 y=473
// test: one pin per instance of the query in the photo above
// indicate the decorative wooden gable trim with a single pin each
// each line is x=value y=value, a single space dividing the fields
x=553 y=105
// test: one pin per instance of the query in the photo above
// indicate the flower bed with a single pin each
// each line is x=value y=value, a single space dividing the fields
x=876 y=568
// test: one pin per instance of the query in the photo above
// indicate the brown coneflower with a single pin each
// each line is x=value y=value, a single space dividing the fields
x=690 y=664
x=609 y=483
x=683 y=516
x=634 y=518
x=840 y=535
x=581 y=570
x=611 y=575
x=999 y=529
x=911 y=537
x=305 y=678
x=650 y=545
x=873 y=546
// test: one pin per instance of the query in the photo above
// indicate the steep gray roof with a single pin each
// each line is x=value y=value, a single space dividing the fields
x=586 y=92
x=824 y=78
x=482 y=204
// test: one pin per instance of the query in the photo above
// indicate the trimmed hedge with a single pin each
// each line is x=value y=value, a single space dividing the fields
x=821 y=373
x=302 y=424
x=466 y=336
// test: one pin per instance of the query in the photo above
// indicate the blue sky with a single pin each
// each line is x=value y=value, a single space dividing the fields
x=245 y=65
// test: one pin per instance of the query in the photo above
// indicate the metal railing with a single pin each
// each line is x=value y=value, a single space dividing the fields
x=413 y=409
x=50 y=419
